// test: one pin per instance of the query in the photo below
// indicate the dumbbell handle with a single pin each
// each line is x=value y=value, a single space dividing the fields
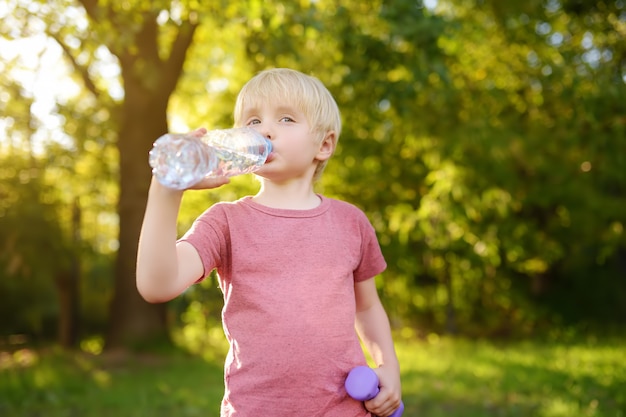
x=362 y=385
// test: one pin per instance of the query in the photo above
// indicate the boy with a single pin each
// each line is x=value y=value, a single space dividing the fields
x=296 y=268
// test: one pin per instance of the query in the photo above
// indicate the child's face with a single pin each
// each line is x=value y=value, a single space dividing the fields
x=295 y=146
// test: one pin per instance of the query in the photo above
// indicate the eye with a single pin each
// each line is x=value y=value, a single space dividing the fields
x=287 y=119
x=253 y=122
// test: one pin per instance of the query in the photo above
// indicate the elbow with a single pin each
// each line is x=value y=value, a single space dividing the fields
x=153 y=299
x=151 y=294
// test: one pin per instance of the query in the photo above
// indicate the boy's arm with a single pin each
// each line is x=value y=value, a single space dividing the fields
x=374 y=330
x=165 y=269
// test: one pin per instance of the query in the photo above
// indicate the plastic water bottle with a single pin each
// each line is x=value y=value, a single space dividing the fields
x=362 y=385
x=181 y=160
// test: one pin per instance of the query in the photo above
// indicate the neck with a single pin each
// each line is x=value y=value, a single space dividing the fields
x=295 y=195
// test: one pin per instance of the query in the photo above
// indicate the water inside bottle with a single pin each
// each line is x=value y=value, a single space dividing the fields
x=234 y=163
x=238 y=150
x=178 y=162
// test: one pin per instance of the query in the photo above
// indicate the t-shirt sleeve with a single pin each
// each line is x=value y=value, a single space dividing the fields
x=209 y=236
x=372 y=260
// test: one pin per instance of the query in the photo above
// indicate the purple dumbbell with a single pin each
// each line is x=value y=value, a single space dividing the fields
x=362 y=385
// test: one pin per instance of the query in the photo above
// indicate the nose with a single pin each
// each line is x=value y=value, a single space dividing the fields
x=263 y=129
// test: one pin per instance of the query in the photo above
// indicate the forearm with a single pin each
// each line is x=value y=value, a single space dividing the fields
x=374 y=330
x=157 y=263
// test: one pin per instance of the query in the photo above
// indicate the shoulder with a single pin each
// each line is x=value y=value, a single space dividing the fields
x=222 y=214
x=350 y=216
x=345 y=208
x=225 y=208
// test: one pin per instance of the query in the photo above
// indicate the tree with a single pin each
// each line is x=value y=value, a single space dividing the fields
x=148 y=42
x=457 y=146
x=150 y=69
x=482 y=139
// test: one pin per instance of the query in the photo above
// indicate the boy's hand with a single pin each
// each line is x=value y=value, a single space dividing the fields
x=210 y=182
x=207 y=182
x=204 y=184
x=388 y=399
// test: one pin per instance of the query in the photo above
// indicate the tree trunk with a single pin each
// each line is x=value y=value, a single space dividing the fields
x=451 y=327
x=149 y=80
x=68 y=287
x=132 y=320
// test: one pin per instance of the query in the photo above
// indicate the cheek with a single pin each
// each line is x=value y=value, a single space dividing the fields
x=295 y=154
x=294 y=148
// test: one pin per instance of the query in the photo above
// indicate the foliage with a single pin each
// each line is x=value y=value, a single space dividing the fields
x=44 y=192
x=477 y=168
x=34 y=248
x=197 y=327
x=483 y=139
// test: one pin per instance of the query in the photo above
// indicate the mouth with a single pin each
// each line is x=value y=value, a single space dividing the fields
x=269 y=157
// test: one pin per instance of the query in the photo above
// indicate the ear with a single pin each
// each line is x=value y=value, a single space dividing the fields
x=327 y=146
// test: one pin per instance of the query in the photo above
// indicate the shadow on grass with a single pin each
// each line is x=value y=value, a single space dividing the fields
x=62 y=384
x=523 y=380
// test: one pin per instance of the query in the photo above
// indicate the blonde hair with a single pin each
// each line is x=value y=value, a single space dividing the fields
x=302 y=91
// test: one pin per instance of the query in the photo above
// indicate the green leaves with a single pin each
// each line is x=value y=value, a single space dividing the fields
x=484 y=140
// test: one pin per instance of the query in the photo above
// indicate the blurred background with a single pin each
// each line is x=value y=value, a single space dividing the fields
x=485 y=140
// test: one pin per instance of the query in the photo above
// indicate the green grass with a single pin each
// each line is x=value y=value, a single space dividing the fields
x=441 y=377
x=64 y=385
x=471 y=379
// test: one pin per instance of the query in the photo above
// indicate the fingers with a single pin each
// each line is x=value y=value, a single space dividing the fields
x=384 y=404
x=199 y=132
x=210 y=182
x=388 y=399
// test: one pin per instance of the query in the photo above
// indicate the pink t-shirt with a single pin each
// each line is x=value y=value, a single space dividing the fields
x=289 y=309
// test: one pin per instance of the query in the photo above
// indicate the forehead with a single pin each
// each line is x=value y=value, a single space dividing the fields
x=275 y=89
x=273 y=106
x=278 y=102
